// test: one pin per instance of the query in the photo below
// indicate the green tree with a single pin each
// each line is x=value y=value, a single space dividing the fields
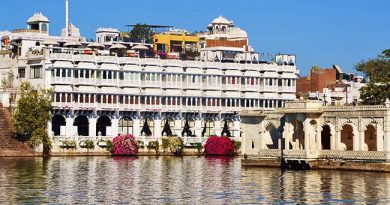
x=377 y=70
x=141 y=31
x=32 y=114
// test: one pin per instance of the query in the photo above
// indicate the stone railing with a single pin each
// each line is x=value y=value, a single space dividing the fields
x=353 y=108
x=270 y=153
x=353 y=155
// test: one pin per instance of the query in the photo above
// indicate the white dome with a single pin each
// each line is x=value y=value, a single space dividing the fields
x=221 y=20
x=38 y=17
x=237 y=33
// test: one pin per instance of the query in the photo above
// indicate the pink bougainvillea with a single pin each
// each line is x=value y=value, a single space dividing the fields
x=125 y=145
x=219 y=146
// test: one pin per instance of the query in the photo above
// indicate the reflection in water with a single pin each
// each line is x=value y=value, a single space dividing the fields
x=187 y=180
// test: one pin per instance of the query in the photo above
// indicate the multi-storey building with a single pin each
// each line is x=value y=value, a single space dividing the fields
x=104 y=95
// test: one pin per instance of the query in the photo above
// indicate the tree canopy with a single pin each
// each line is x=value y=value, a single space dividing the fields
x=32 y=114
x=377 y=70
x=141 y=31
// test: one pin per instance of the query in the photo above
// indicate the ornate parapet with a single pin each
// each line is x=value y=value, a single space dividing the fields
x=354 y=155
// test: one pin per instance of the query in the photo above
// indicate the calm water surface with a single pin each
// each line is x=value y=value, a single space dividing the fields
x=171 y=180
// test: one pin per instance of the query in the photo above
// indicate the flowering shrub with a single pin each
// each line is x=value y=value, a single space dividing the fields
x=124 y=145
x=219 y=146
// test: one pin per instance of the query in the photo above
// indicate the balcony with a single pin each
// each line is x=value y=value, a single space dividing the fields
x=235 y=87
x=151 y=107
x=129 y=83
x=191 y=108
x=107 y=82
x=84 y=81
x=61 y=56
x=173 y=108
x=130 y=107
x=251 y=88
x=62 y=104
x=211 y=86
x=84 y=106
x=107 y=106
x=267 y=88
x=171 y=85
x=231 y=109
x=61 y=81
x=212 y=108
x=286 y=89
x=151 y=84
x=192 y=86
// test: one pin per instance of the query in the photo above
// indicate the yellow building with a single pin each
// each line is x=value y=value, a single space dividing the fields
x=175 y=41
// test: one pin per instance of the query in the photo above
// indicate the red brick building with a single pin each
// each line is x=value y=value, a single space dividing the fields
x=317 y=80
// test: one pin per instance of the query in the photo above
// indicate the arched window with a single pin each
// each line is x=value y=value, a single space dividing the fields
x=227 y=127
x=147 y=126
x=82 y=124
x=126 y=125
x=37 y=44
x=188 y=126
x=44 y=27
x=166 y=126
x=208 y=127
x=57 y=122
x=101 y=125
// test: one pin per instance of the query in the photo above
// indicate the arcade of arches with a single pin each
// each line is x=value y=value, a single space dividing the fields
x=312 y=127
x=104 y=125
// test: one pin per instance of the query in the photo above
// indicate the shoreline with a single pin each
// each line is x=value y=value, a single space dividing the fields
x=344 y=165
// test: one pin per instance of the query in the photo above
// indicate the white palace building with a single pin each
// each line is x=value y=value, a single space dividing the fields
x=99 y=94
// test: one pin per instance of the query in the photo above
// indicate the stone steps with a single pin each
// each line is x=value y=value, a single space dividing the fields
x=8 y=145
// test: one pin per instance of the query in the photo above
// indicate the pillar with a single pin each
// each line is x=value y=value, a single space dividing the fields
x=114 y=126
x=217 y=127
x=337 y=139
x=136 y=127
x=198 y=127
x=236 y=125
x=307 y=133
x=70 y=131
x=177 y=127
x=92 y=126
x=318 y=137
x=157 y=128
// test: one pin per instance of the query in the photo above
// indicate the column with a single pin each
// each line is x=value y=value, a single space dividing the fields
x=360 y=142
x=217 y=127
x=157 y=128
x=115 y=126
x=236 y=125
x=337 y=139
x=92 y=126
x=307 y=129
x=136 y=127
x=70 y=131
x=198 y=127
x=177 y=127
x=318 y=136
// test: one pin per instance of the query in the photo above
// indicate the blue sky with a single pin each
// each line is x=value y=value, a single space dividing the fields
x=320 y=33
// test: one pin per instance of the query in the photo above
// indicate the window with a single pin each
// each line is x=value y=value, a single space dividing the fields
x=22 y=72
x=36 y=71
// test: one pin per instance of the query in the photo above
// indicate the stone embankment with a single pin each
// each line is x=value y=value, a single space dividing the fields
x=10 y=147
x=352 y=165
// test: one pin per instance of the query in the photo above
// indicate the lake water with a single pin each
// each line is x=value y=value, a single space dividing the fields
x=172 y=180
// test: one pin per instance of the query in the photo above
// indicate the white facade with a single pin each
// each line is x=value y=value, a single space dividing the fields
x=97 y=95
